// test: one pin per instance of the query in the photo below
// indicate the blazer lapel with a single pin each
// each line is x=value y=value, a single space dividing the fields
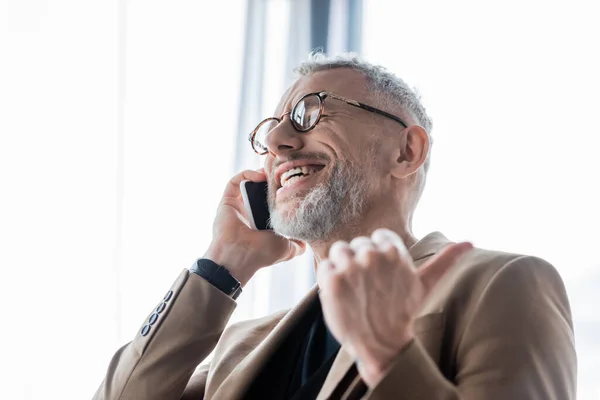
x=236 y=384
x=340 y=367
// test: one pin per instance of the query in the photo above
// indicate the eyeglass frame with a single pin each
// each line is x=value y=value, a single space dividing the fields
x=322 y=95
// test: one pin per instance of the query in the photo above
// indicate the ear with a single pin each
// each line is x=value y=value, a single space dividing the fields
x=412 y=151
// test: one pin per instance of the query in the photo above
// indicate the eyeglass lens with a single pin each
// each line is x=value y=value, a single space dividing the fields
x=304 y=116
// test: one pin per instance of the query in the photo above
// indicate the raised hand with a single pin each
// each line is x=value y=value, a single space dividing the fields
x=371 y=294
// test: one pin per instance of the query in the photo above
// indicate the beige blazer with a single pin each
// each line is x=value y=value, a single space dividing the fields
x=497 y=327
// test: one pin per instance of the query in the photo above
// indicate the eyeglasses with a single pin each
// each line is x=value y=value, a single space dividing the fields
x=305 y=115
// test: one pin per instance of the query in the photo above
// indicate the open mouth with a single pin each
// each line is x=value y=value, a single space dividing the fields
x=298 y=176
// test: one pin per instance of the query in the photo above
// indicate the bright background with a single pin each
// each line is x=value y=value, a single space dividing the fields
x=121 y=122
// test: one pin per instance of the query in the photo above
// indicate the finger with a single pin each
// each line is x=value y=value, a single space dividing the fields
x=392 y=237
x=341 y=254
x=233 y=186
x=365 y=251
x=285 y=248
x=298 y=243
x=324 y=271
x=390 y=245
x=236 y=204
x=361 y=244
x=436 y=268
x=296 y=248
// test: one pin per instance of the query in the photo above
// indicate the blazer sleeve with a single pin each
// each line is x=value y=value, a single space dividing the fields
x=518 y=345
x=162 y=357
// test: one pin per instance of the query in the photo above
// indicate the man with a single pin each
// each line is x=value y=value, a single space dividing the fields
x=346 y=159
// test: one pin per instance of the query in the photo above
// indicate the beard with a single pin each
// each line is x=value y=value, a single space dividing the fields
x=338 y=201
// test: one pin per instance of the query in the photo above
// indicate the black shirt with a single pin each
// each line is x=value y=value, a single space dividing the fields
x=300 y=365
x=314 y=360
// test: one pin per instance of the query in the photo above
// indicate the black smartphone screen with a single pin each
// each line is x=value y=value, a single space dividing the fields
x=257 y=197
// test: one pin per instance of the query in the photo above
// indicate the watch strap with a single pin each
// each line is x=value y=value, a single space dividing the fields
x=218 y=276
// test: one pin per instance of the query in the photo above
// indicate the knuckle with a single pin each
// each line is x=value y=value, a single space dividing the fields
x=370 y=256
x=385 y=233
x=382 y=232
x=360 y=241
x=339 y=247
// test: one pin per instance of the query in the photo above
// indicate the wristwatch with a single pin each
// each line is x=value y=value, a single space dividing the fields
x=218 y=276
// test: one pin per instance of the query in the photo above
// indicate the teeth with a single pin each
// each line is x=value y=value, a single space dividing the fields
x=292 y=179
x=294 y=171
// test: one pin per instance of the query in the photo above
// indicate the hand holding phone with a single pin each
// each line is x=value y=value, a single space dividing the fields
x=244 y=249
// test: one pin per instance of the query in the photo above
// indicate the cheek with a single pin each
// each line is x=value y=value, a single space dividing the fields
x=267 y=163
x=352 y=138
x=272 y=187
x=371 y=168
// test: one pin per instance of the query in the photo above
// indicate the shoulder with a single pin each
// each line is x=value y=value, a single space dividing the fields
x=477 y=271
x=493 y=279
x=493 y=297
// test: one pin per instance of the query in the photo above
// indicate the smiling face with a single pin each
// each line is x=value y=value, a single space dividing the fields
x=328 y=177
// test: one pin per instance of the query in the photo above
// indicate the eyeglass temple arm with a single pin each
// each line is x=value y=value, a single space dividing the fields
x=386 y=114
x=365 y=107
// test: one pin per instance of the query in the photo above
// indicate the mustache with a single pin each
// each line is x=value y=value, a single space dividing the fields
x=303 y=156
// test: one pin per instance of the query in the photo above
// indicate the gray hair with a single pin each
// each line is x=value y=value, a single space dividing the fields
x=390 y=91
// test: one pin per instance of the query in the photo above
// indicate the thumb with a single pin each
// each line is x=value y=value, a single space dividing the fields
x=283 y=248
x=436 y=268
x=296 y=248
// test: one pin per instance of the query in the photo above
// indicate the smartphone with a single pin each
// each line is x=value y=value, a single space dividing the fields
x=254 y=195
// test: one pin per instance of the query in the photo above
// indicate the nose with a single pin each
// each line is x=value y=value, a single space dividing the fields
x=284 y=138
